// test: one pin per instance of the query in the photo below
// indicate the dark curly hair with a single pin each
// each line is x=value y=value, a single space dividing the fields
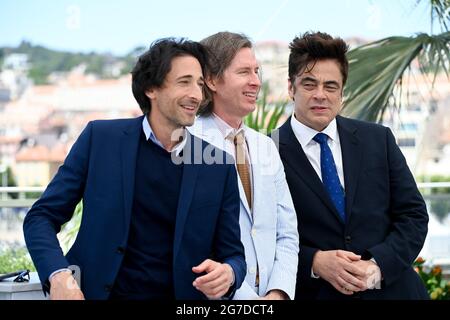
x=311 y=47
x=153 y=66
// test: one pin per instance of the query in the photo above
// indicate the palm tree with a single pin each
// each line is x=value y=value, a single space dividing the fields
x=376 y=69
x=266 y=116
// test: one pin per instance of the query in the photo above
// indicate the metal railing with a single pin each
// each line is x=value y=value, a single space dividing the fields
x=16 y=197
x=22 y=200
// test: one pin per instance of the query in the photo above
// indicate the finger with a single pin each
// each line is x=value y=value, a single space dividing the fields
x=341 y=288
x=215 y=283
x=206 y=265
x=212 y=275
x=348 y=255
x=354 y=257
x=212 y=292
x=219 y=291
x=346 y=285
x=355 y=270
x=351 y=279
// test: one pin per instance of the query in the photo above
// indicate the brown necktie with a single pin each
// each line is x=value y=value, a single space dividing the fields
x=243 y=165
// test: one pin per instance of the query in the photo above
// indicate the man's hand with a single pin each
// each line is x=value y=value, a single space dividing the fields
x=217 y=281
x=64 y=287
x=275 y=295
x=338 y=268
x=372 y=273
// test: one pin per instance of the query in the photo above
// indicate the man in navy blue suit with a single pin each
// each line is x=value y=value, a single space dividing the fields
x=361 y=218
x=160 y=220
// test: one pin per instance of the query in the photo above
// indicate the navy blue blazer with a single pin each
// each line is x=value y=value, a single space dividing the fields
x=386 y=215
x=100 y=170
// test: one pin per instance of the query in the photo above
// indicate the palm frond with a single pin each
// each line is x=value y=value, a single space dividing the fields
x=440 y=9
x=266 y=116
x=377 y=68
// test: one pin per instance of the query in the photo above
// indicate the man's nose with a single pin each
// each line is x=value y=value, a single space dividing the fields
x=255 y=80
x=319 y=93
x=196 y=92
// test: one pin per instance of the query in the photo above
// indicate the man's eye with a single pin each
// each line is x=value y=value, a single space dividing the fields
x=331 y=88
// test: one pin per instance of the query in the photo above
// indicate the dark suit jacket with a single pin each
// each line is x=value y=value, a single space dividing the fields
x=386 y=215
x=100 y=169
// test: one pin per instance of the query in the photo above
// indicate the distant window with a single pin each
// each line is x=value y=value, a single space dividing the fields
x=407 y=142
x=409 y=127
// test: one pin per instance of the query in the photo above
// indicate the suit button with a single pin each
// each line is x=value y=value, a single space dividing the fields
x=120 y=250
x=252 y=270
x=253 y=232
x=108 y=288
x=348 y=239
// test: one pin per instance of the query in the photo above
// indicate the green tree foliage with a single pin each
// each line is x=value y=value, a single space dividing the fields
x=14 y=259
x=44 y=61
x=377 y=69
x=266 y=116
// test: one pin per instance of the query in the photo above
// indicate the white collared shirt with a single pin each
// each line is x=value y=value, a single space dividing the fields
x=305 y=135
x=150 y=135
x=228 y=130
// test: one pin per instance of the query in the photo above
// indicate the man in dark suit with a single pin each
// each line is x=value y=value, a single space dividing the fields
x=158 y=221
x=361 y=218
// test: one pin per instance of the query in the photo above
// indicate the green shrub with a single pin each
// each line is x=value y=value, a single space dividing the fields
x=438 y=288
x=14 y=259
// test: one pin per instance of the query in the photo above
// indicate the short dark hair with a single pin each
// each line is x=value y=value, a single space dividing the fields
x=222 y=48
x=311 y=47
x=153 y=66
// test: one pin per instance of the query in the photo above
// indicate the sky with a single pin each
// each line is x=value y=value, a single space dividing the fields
x=118 y=26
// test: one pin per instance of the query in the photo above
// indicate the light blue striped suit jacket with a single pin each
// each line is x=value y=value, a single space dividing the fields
x=268 y=232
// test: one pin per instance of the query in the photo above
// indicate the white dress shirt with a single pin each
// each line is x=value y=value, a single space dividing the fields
x=230 y=148
x=150 y=135
x=305 y=135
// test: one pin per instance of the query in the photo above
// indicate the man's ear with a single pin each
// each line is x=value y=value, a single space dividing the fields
x=150 y=93
x=211 y=83
x=291 y=90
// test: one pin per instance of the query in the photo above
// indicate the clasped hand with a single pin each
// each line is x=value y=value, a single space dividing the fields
x=346 y=272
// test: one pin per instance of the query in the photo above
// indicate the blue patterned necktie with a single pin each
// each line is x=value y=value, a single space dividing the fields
x=330 y=178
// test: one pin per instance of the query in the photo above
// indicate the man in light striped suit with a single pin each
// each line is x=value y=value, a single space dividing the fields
x=267 y=218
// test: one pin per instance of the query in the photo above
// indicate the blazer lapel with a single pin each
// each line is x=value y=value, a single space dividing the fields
x=206 y=129
x=188 y=182
x=294 y=155
x=351 y=160
x=129 y=149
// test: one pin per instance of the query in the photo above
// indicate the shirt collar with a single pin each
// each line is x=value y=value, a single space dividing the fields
x=305 y=134
x=150 y=135
x=225 y=128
